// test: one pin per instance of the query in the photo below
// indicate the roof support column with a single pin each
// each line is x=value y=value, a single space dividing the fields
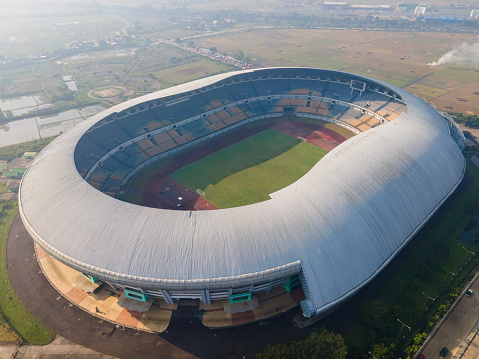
x=205 y=297
x=113 y=286
x=166 y=296
x=270 y=286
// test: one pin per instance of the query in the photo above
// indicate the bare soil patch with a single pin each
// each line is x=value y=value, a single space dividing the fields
x=106 y=92
x=316 y=135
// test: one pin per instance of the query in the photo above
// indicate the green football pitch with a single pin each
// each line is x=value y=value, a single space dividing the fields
x=248 y=171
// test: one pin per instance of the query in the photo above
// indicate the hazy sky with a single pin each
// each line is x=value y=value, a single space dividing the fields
x=30 y=6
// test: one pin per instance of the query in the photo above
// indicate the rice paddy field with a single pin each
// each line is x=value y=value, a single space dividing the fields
x=250 y=170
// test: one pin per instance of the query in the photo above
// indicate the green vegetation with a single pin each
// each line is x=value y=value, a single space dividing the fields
x=376 y=327
x=139 y=181
x=318 y=345
x=18 y=322
x=248 y=171
x=135 y=186
x=8 y=153
x=468 y=120
x=142 y=66
x=3 y=188
x=133 y=197
x=130 y=71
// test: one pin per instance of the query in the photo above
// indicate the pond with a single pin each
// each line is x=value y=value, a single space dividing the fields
x=18 y=131
x=34 y=128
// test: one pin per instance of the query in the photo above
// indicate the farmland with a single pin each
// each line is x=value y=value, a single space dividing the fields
x=135 y=66
x=395 y=57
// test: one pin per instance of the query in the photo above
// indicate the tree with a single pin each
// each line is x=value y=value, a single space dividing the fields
x=383 y=351
x=473 y=208
x=213 y=49
x=318 y=345
x=380 y=316
x=240 y=54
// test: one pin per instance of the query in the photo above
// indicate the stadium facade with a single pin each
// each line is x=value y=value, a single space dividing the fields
x=331 y=231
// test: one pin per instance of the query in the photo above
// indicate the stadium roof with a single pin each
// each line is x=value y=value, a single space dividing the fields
x=340 y=223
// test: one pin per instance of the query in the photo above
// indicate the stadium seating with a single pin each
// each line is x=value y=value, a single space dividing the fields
x=299 y=93
x=350 y=114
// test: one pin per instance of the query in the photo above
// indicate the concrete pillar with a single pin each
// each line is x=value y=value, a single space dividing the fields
x=270 y=286
x=205 y=297
x=112 y=285
x=166 y=296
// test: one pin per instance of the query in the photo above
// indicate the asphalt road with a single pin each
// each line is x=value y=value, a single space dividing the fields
x=456 y=327
x=186 y=336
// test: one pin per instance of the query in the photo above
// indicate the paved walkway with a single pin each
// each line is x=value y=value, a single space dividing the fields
x=472 y=351
x=152 y=317
x=268 y=305
x=66 y=319
x=186 y=336
x=60 y=348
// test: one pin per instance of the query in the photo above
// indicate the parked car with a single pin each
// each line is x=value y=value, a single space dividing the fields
x=443 y=352
x=421 y=356
x=469 y=292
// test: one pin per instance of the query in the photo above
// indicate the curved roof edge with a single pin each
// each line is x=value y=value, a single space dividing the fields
x=377 y=190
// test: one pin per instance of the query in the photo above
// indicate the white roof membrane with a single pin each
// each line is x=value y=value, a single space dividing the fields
x=340 y=223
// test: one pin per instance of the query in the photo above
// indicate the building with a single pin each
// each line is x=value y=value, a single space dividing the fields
x=331 y=232
x=30 y=155
x=373 y=7
x=407 y=7
x=475 y=13
x=334 y=6
x=420 y=10
x=443 y=18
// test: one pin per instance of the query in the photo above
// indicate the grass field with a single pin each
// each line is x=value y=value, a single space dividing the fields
x=16 y=322
x=248 y=171
x=201 y=67
x=135 y=186
x=391 y=56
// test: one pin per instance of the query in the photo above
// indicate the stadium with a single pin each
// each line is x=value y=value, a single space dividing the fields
x=329 y=232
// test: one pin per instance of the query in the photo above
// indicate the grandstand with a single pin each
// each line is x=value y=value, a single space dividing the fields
x=121 y=143
x=330 y=232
